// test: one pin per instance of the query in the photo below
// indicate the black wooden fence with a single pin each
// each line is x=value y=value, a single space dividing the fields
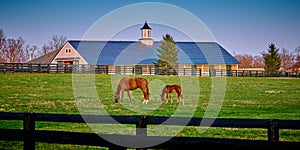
x=137 y=69
x=29 y=135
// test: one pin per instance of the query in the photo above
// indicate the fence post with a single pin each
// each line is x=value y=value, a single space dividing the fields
x=4 y=68
x=83 y=68
x=65 y=68
x=57 y=68
x=22 y=67
x=141 y=127
x=48 y=68
x=28 y=128
x=30 y=68
x=273 y=131
x=200 y=72
x=106 y=69
x=39 y=68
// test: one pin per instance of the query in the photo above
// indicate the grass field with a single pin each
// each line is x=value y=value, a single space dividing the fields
x=244 y=97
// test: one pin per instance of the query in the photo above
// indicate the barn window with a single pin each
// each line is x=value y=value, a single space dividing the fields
x=68 y=50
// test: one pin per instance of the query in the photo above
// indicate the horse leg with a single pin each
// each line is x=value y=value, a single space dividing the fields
x=128 y=92
x=122 y=96
x=167 y=98
x=178 y=98
x=164 y=98
x=145 y=96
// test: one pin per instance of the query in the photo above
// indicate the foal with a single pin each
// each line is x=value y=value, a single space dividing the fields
x=168 y=89
x=127 y=84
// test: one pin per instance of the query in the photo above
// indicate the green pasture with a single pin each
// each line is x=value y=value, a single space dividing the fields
x=221 y=97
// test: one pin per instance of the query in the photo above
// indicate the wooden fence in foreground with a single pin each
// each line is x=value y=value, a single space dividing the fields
x=29 y=135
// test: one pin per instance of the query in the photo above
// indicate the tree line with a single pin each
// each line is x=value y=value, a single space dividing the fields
x=274 y=59
x=16 y=51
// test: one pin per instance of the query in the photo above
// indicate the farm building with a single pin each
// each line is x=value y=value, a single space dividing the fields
x=137 y=57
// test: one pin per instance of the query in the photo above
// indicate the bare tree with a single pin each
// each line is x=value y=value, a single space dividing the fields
x=2 y=46
x=287 y=59
x=297 y=51
x=45 y=50
x=249 y=61
x=14 y=50
x=258 y=62
x=295 y=67
x=30 y=52
x=283 y=57
x=245 y=60
x=57 y=42
x=239 y=57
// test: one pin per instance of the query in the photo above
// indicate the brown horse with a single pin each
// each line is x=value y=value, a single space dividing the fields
x=168 y=89
x=127 y=84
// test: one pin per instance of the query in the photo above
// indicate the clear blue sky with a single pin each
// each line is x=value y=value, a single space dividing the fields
x=240 y=26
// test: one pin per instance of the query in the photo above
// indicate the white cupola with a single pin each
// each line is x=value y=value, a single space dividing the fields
x=146 y=35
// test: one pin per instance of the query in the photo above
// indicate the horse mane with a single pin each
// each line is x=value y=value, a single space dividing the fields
x=146 y=81
x=118 y=89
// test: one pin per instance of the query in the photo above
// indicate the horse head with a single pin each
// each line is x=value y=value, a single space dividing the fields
x=117 y=97
x=162 y=97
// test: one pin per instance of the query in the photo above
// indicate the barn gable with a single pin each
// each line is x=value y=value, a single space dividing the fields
x=68 y=55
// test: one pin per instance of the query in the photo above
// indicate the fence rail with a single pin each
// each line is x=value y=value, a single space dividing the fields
x=129 y=70
x=29 y=135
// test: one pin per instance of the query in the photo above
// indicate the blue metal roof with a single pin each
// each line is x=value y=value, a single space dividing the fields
x=134 y=52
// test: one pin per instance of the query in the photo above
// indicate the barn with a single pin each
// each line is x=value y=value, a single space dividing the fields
x=137 y=57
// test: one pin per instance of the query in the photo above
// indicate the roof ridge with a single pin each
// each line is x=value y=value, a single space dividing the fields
x=138 y=41
x=51 y=55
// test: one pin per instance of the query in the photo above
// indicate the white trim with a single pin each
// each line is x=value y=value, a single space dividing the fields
x=63 y=50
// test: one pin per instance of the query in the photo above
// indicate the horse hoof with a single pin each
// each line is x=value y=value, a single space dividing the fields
x=145 y=101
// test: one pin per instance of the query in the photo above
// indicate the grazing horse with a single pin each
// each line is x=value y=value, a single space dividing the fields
x=168 y=89
x=127 y=84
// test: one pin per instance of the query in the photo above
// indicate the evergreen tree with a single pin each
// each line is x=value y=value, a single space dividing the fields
x=272 y=59
x=168 y=56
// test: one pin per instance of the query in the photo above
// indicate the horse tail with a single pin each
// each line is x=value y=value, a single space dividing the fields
x=147 y=88
x=180 y=92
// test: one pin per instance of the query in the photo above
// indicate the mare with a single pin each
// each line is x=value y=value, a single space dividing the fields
x=168 y=89
x=127 y=84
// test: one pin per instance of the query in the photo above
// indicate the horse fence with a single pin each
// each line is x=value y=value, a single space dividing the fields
x=29 y=135
x=137 y=69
